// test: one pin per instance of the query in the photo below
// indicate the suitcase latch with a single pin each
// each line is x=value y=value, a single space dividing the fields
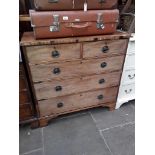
x=100 y=24
x=55 y=27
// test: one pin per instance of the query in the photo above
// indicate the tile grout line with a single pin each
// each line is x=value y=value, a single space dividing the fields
x=31 y=151
x=100 y=132
x=42 y=133
x=119 y=125
x=105 y=142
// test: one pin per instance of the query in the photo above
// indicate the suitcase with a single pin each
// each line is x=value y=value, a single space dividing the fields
x=49 y=24
x=51 y=5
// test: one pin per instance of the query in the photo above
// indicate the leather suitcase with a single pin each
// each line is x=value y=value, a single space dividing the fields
x=49 y=24
x=52 y=5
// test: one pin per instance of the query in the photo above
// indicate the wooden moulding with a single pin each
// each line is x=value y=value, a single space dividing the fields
x=29 y=40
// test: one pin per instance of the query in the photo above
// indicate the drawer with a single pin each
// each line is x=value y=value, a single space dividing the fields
x=129 y=62
x=127 y=90
x=25 y=112
x=104 y=48
x=39 y=54
x=22 y=84
x=24 y=97
x=78 y=101
x=131 y=47
x=128 y=76
x=56 y=88
x=67 y=70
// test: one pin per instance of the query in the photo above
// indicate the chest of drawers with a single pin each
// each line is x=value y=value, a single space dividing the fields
x=127 y=85
x=72 y=74
x=26 y=110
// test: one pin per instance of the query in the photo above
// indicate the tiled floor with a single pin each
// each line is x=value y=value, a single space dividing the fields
x=93 y=132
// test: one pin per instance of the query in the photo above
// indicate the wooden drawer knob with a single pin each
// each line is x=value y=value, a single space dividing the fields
x=101 y=81
x=56 y=71
x=105 y=49
x=103 y=64
x=55 y=54
x=58 y=88
x=59 y=105
x=100 y=97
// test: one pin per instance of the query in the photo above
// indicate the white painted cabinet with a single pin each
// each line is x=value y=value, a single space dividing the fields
x=127 y=85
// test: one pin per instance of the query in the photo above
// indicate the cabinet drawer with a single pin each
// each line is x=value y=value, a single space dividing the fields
x=78 y=101
x=128 y=76
x=24 y=97
x=131 y=47
x=25 y=112
x=104 y=48
x=67 y=70
x=56 y=88
x=127 y=91
x=130 y=61
x=39 y=54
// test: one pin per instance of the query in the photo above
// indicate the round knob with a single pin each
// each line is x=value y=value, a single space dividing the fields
x=100 y=97
x=58 y=88
x=103 y=64
x=59 y=105
x=55 y=54
x=105 y=49
x=101 y=81
x=56 y=70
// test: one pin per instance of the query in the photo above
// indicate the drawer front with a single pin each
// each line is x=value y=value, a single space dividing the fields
x=131 y=47
x=67 y=70
x=38 y=54
x=78 y=101
x=56 y=88
x=130 y=61
x=25 y=112
x=128 y=76
x=104 y=48
x=22 y=83
x=127 y=91
x=24 y=97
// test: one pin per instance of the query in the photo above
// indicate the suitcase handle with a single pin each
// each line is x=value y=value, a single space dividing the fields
x=85 y=25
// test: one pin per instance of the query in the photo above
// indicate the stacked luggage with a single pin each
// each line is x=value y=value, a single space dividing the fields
x=67 y=18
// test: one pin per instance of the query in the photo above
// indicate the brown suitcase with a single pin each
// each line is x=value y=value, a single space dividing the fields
x=59 y=24
x=52 y=5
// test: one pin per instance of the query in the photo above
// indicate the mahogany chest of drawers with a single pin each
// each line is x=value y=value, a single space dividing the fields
x=26 y=109
x=72 y=74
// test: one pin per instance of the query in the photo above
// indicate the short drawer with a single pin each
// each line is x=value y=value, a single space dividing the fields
x=79 y=101
x=25 y=112
x=104 y=48
x=130 y=61
x=67 y=70
x=24 y=97
x=56 y=88
x=127 y=91
x=128 y=76
x=51 y=53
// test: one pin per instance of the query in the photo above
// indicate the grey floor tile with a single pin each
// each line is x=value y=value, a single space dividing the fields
x=107 y=119
x=121 y=140
x=73 y=136
x=129 y=110
x=29 y=139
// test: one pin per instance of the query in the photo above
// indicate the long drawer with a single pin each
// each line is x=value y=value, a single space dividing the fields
x=51 y=53
x=57 y=88
x=67 y=70
x=78 y=101
x=104 y=48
